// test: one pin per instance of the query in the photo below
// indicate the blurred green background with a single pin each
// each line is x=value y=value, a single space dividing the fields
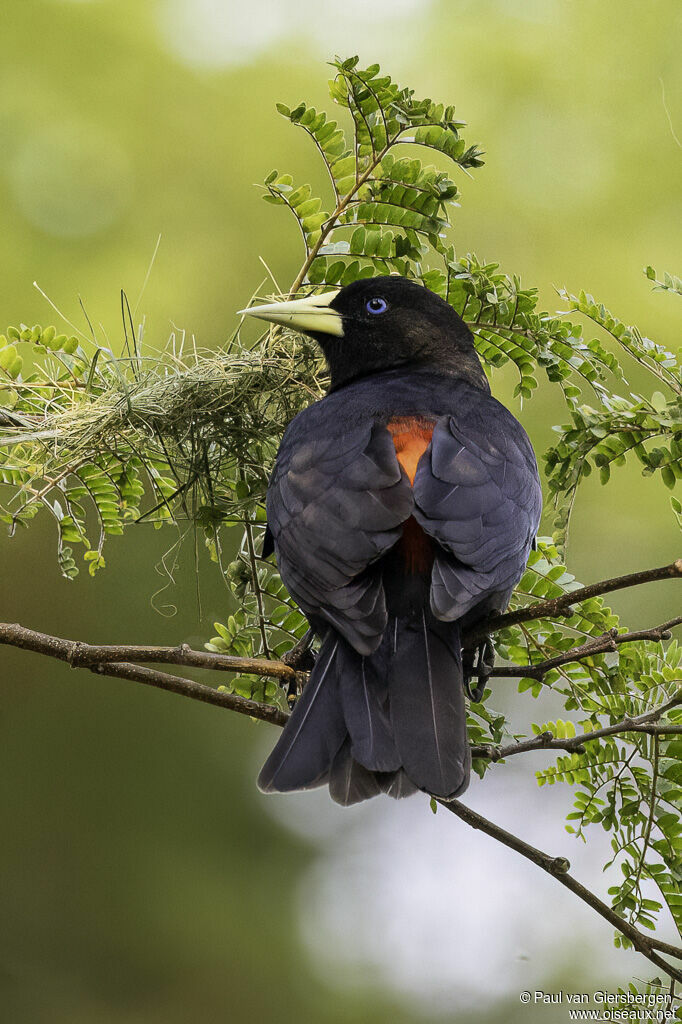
x=142 y=878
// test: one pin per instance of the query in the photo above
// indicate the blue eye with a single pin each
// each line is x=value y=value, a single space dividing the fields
x=376 y=305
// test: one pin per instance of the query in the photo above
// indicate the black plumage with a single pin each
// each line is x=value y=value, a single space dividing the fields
x=402 y=505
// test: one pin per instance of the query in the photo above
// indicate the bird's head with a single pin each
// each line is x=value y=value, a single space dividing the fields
x=381 y=323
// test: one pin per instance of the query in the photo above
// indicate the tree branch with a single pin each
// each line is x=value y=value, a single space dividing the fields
x=82 y=655
x=115 y=661
x=195 y=691
x=559 y=867
x=645 y=723
x=609 y=641
x=562 y=605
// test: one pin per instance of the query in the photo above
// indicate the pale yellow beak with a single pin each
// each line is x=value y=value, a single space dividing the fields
x=312 y=315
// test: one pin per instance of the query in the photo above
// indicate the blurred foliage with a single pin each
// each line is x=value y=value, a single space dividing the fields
x=96 y=438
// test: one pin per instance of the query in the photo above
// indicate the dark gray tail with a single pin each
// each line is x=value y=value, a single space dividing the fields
x=391 y=722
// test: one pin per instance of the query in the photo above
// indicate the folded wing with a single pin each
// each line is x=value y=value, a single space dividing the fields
x=336 y=503
x=477 y=492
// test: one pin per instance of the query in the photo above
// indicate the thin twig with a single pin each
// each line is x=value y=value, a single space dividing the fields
x=559 y=867
x=635 y=884
x=255 y=584
x=196 y=691
x=330 y=224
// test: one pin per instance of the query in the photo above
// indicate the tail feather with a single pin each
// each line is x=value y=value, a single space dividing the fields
x=351 y=783
x=313 y=735
x=390 y=722
x=397 y=785
x=364 y=699
x=427 y=706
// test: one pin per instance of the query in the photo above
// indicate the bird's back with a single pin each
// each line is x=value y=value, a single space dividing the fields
x=400 y=505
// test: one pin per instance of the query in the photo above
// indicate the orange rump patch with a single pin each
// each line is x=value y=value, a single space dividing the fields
x=411 y=437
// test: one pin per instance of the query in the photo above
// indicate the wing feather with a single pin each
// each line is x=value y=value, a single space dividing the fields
x=336 y=504
x=477 y=492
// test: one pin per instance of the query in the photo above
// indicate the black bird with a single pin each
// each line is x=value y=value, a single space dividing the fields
x=402 y=507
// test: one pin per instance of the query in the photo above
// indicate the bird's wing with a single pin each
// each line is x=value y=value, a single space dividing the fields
x=477 y=492
x=336 y=502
